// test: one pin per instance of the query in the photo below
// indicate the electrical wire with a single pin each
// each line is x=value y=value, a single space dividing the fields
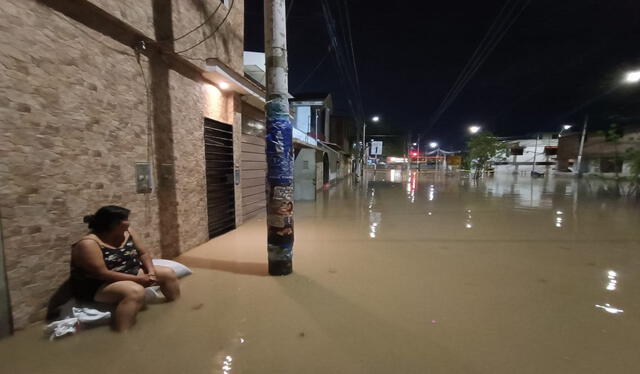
x=353 y=55
x=290 y=8
x=342 y=65
x=478 y=49
x=150 y=141
x=213 y=32
x=477 y=61
x=298 y=87
x=199 y=26
x=484 y=53
x=499 y=28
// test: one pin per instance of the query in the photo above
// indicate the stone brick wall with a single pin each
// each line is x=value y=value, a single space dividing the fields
x=226 y=44
x=74 y=122
x=137 y=13
x=188 y=100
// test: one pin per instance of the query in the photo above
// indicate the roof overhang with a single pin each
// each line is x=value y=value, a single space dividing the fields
x=228 y=80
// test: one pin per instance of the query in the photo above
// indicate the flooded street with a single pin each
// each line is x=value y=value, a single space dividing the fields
x=403 y=273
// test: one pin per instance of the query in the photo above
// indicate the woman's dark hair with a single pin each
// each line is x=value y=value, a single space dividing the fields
x=106 y=218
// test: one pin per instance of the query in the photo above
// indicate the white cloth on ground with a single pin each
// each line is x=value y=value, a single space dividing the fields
x=74 y=314
x=79 y=316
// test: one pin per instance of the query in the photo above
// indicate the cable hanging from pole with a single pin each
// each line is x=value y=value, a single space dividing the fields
x=199 y=26
x=213 y=32
x=342 y=65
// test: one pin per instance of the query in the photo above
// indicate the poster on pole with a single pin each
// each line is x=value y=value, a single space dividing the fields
x=376 y=148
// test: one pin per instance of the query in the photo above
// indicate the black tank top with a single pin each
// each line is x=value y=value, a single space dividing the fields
x=125 y=259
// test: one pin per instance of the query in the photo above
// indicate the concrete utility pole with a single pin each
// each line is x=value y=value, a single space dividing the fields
x=584 y=134
x=535 y=153
x=418 y=158
x=279 y=146
x=365 y=156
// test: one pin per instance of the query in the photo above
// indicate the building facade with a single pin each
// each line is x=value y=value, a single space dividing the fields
x=599 y=156
x=133 y=103
x=521 y=154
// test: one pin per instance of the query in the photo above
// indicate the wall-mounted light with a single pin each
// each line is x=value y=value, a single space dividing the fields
x=223 y=85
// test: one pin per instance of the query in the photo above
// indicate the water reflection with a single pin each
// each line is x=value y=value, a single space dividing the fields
x=610 y=309
x=226 y=364
x=375 y=217
x=432 y=192
x=468 y=223
x=612 y=280
x=395 y=176
x=223 y=360
x=558 y=218
x=411 y=187
x=527 y=193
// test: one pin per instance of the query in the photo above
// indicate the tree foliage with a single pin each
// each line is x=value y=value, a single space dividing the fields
x=633 y=156
x=613 y=135
x=482 y=148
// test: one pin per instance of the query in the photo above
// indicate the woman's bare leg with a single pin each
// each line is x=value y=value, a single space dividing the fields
x=168 y=282
x=129 y=297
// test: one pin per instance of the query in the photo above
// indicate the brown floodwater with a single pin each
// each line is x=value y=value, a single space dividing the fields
x=403 y=273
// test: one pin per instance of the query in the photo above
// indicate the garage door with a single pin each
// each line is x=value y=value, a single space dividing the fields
x=253 y=163
x=218 y=148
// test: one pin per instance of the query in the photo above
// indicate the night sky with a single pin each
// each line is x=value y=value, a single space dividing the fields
x=560 y=60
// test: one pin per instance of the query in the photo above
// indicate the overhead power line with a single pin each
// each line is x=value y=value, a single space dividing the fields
x=344 y=64
x=507 y=16
x=313 y=71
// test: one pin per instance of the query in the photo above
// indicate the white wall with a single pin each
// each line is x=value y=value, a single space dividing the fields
x=303 y=118
x=525 y=161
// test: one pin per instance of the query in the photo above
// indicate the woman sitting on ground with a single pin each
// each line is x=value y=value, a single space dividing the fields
x=110 y=265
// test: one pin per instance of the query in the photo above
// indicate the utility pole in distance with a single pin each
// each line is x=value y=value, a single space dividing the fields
x=578 y=167
x=279 y=146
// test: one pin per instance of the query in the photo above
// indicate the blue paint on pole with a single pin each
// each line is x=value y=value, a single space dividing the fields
x=279 y=152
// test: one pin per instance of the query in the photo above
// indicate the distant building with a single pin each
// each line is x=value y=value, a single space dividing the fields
x=521 y=154
x=599 y=157
x=320 y=156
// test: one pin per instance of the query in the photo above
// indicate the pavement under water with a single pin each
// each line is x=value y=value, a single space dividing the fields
x=402 y=273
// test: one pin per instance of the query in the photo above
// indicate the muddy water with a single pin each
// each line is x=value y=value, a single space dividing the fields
x=404 y=273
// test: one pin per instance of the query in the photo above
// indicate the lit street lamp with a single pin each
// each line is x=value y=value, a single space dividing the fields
x=566 y=127
x=474 y=129
x=434 y=145
x=632 y=77
x=363 y=151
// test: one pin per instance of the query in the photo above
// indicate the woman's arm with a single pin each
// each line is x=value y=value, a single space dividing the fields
x=86 y=254
x=145 y=256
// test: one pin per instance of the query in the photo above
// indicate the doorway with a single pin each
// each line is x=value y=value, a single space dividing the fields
x=304 y=174
x=325 y=169
x=218 y=151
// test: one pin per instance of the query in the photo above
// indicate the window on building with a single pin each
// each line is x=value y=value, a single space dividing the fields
x=550 y=151
x=517 y=151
